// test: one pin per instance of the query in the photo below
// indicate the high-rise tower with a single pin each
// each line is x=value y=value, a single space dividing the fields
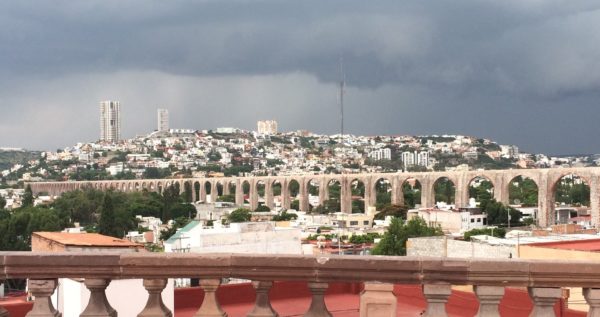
x=110 y=121
x=163 y=120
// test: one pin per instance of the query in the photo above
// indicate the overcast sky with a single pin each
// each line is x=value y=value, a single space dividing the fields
x=524 y=72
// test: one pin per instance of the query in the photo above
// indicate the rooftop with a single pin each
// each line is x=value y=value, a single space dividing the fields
x=86 y=239
x=580 y=245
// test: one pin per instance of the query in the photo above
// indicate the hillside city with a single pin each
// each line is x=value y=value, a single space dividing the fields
x=207 y=219
x=228 y=151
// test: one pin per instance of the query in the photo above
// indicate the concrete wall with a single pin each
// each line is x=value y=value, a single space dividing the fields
x=441 y=246
x=280 y=241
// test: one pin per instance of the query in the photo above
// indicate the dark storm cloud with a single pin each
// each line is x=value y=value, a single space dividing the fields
x=525 y=72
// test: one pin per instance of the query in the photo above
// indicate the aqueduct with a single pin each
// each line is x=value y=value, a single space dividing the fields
x=545 y=179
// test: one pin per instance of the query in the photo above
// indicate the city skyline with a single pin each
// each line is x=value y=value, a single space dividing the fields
x=517 y=72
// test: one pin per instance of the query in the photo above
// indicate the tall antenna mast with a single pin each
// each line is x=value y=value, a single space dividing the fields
x=342 y=87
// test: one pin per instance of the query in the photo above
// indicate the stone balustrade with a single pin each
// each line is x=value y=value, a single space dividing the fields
x=543 y=279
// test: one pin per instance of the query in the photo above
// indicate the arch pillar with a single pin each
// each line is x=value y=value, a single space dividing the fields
x=461 y=193
x=214 y=192
x=397 y=192
x=346 y=195
x=226 y=187
x=269 y=194
x=193 y=188
x=239 y=193
x=595 y=200
x=303 y=193
x=323 y=192
x=203 y=191
x=545 y=202
x=427 y=193
x=370 y=193
x=253 y=195
x=501 y=186
x=285 y=192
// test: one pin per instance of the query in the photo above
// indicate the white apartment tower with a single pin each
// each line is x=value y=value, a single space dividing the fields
x=163 y=120
x=423 y=158
x=408 y=158
x=267 y=127
x=110 y=121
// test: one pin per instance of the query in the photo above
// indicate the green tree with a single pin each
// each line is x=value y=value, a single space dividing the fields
x=394 y=239
x=227 y=198
x=2 y=202
x=497 y=213
x=524 y=190
x=295 y=204
x=284 y=216
x=107 y=224
x=170 y=197
x=494 y=232
x=392 y=210
x=27 y=197
x=444 y=191
x=262 y=208
x=240 y=215
x=177 y=224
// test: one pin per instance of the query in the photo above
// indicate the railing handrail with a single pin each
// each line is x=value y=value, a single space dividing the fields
x=319 y=268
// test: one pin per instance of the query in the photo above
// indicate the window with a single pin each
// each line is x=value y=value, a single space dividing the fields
x=472 y=220
x=354 y=223
x=366 y=222
x=478 y=219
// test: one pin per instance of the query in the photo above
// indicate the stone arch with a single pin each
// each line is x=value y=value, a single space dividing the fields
x=444 y=190
x=381 y=192
x=276 y=191
x=333 y=195
x=293 y=190
x=314 y=189
x=260 y=193
x=245 y=189
x=412 y=192
x=480 y=188
x=522 y=192
x=358 y=192
x=570 y=195
x=188 y=193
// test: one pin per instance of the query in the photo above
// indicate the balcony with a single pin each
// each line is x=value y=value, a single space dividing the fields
x=313 y=286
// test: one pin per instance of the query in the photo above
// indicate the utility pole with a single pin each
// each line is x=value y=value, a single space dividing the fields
x=342 y=88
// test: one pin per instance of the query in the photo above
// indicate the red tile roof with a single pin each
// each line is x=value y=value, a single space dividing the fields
x=87 y=239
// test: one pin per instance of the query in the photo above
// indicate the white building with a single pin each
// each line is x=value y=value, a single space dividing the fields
x=246 y=237
x=267 y=127
x=408 y=159
x=452 y=221
x=110 y=121
x=381 y=154
x=163 y=119
x=423 y=158
x=509 y=151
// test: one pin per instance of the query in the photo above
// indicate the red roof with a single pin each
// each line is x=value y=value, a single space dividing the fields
x=578 y=245
x=87 y=239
